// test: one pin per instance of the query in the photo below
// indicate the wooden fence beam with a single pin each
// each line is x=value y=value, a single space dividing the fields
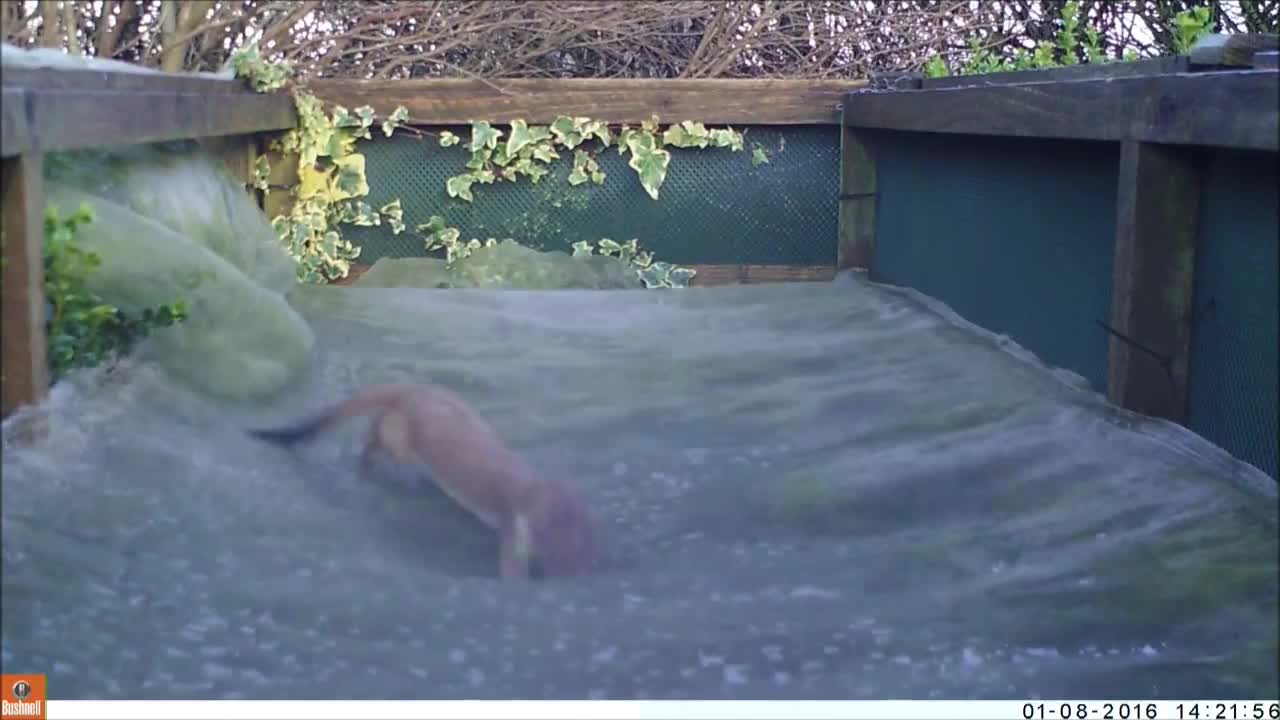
x=437 y=101
x=1236 y=50
x=1153 y=277
x=1183 y=109
x=48 y=110
x=23 y=363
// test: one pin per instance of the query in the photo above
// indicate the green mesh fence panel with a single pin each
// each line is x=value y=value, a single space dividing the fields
x=1234 y=351
x=714 y=208
x=1015 y=235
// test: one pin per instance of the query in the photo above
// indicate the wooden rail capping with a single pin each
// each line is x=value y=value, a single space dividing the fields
x=1089 y=71
x=458 y=102
x=1232 y=50
x=48 y=110
x=1179 y=109
x=1155 y=256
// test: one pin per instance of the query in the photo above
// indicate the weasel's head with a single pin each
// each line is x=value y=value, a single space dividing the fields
x=565 y=535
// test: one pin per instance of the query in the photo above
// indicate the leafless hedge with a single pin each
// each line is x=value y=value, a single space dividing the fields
x=591 y=38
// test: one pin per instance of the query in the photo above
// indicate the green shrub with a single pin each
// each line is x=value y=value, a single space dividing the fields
x=82 y=330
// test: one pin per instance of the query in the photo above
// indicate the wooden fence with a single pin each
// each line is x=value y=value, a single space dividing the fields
x=1162 y=113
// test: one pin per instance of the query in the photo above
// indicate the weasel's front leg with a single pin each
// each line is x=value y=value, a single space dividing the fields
x=515 y=548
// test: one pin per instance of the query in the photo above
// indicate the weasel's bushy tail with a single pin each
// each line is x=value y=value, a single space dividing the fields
x=369 y=400
x=301 y=430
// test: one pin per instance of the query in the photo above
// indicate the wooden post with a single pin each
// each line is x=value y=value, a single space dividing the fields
x=857 y=222
x=23 y=361
x=282 y=178
x=1155 y=252
x=237 y=153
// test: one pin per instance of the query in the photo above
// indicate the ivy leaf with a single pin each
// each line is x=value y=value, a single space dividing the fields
x=459 y=186
x=479 y=158
x=363 y=214
x=687 y=134
x=727 y=137
x=500 y=157
x=582 y=248
x=483 y=135
x=351 y=178
x=342 y=117
x=567 y=132
x=311 y=181
x=519 y=138
x=759 y=157
x=394 y=215
x=679 y=277
x=433 y=225
x=448 y=139
x=536 y=173
x=649 y=162
x=396 y=119
x=545 y=152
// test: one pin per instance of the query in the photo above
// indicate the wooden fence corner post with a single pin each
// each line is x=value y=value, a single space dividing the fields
x=23 y=363
x=1154 y=274
x=857 y=221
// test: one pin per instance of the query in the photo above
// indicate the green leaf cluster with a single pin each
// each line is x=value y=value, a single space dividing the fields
x=331 y=187
x=528 y=150
x=82 y=330
x=262 y=75
x=331 y=175
x=1073 y=39
x=1189 y=26
x=332 y=181
x=654 y=274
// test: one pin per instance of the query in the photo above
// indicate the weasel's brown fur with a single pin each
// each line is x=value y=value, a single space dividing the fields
x=430 y=426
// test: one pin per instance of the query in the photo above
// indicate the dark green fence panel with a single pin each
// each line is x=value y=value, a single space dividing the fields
x=714 y=208
x=1235 y=344
x=1015 y=235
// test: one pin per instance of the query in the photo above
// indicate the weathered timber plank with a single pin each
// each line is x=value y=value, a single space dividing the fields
x=71 y=119
x=23 y=351
x=1155 y=250
x=1232 y=50
x=857 y=221
x=458 y=102
x=101 y=80
x=1235 y=109
x=1101 y=71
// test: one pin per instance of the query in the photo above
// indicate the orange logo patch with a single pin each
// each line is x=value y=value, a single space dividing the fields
x=22 y=696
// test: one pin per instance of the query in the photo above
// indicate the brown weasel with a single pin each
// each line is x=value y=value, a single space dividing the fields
x=537 y=520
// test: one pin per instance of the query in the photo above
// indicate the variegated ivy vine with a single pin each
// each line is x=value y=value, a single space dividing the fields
x=529 y=149
x=332 y=182
x=331 y=174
